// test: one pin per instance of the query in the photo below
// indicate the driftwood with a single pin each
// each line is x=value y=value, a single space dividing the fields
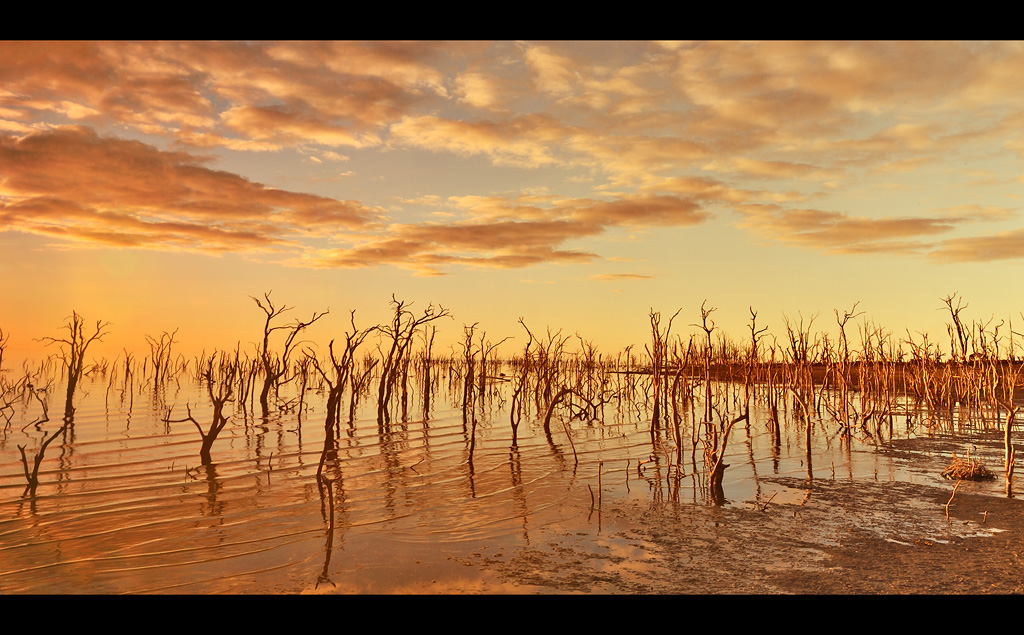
x=967 y=469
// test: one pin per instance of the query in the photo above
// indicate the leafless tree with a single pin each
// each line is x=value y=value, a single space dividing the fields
x=160 y=354
x=220 y=387
x=343 y=369
x=755 y=335
x=400 y=332
x=4 y=338
x=73 y=349
x=658 y=352
x=958 y=333
x=274 y=368
x=515 y=412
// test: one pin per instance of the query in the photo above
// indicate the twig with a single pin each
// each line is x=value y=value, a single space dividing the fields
x=951 y=498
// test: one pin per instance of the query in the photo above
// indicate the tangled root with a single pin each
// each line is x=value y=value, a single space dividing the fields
x=967 y=469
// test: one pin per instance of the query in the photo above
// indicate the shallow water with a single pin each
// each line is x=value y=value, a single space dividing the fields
x=124 y=505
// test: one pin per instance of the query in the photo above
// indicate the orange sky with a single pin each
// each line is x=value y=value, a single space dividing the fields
x=577 y=185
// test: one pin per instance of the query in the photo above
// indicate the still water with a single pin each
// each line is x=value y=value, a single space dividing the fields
x=124 y=505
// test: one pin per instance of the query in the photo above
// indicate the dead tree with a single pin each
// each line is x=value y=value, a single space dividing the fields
x=844 y=351
x=428 y=345
x=485 y=354
x=400 y=332
x=358 y=386
x=705 y=315
x=32 y=476
x=224 y=394
x=547 y=368
x=659 y=358
x=4 y=338
x=343 y=369
x=714 y=455
x=160 y=354
x=515 y=413
x=1003 y=393
x=755 y=335
x=958 y=333
x=799 y=339
x=468 y=378
x=274 y=368
x=845 y=377
x=73 y=353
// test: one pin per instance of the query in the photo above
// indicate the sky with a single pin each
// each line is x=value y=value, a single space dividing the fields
x=160 y=186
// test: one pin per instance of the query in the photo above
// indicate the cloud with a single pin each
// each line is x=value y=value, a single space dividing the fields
x=771 y=169
x=617 y=277
x=705 y=189
x=74 y=184
x=501 y=235
x=427 y=247
x=61 y=184
x=334 y=94
x=428 y=258
x=479 y=89
x=1008 y=245
x=662 y=134
x=842 y=233
x=289 y=125
x=553 y=73
x=529 y=141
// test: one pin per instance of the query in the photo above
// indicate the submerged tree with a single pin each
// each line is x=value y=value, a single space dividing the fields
x=400 y=332
x=4 y=338
x=658 y=352
x=958 y=333
x=32 y=476
x=220 y=387
x=160 y=355
x=469 y=361
x=517 y=407
x=274 y=368
x=73 y=353
x=343 y=370
x=426 y=362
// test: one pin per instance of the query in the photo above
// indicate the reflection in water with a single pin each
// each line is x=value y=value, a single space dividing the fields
x=327 y=486
x=386 y=504
x=518 y=492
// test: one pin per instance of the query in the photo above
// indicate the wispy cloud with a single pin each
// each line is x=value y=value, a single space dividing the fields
x=842 y=233
x=1008 y=245
x=74 y=184
x=503 y=236
x=619 y=277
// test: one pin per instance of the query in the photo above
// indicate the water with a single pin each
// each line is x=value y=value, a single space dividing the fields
x=124 y=505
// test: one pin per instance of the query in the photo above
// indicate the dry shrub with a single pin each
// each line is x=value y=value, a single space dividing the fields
x=967 y=469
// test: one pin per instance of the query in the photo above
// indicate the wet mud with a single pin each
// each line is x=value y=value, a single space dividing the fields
x=840 y=537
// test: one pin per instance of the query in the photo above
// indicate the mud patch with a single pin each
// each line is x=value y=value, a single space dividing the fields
x=842 y=537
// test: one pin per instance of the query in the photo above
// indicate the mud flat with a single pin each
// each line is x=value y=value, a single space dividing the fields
x=826 y=536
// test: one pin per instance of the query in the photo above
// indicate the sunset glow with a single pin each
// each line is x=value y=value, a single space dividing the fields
x=578 y=185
